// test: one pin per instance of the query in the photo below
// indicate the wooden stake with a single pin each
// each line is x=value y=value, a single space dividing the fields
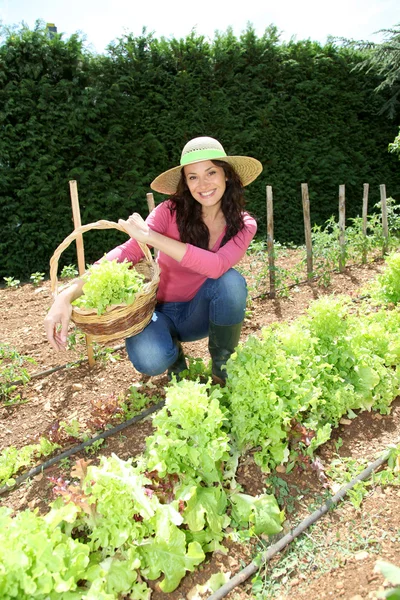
x=270 y=242
x=364 y=218
x=342 y=218
x=151 y=205
x=150 y=201
x=307 y=228
x=81 y=255
x=384 y=219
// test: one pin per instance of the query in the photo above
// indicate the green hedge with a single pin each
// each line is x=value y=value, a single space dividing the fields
x=115 y=121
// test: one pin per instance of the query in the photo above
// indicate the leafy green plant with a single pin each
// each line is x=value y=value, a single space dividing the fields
x=197 y=369
x=13 y=459
x=342 y=470
x=37 y=277
x=11 y=282
x=93 y=448
x=308 y=374
x=190 y=440
x=393 y=217
x=12 y=369
x=258 y=272
x=285 y=496
x=56 y=562
x=358 y=244
x=102 y=354
x=75 y=338
x=386 y=287
x=120 y=523
x=109 y=283
x=134 y=402
x=69 y=271
x=74 y=429
x=325 y=240
x=392 y=574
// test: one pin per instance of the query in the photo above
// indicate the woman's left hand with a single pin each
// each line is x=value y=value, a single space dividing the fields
x=136 y=227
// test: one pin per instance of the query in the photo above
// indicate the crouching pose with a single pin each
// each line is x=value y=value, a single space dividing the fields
x=201 y=232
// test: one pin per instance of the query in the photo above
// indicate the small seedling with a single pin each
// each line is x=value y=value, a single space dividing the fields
x=92 y=449
x=12 y=370
x=65 y=464
x=69 y=271
x=36 y=278
x=11 y=282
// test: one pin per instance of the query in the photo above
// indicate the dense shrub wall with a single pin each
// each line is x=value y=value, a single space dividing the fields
x=115 y=121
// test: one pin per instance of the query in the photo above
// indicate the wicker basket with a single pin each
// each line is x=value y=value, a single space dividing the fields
x=119 y=320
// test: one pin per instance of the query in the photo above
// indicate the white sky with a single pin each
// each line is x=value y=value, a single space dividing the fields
x=102 y=21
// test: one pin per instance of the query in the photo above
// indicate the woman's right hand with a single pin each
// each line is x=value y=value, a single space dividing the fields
x=56 y=323
x=57 y=320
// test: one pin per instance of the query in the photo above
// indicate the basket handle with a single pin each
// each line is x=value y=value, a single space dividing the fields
x=78 y=231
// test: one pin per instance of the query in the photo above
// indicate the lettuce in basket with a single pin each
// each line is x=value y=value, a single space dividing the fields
x=109 y=282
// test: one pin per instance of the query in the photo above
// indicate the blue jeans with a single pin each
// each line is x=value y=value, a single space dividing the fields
x=222 y=301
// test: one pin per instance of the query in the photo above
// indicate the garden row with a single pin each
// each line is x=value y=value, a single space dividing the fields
x=123 y=522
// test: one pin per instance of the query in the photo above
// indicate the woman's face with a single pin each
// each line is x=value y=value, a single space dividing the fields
x=206 y=182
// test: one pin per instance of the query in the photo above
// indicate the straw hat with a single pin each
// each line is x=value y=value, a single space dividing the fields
x=206 y=148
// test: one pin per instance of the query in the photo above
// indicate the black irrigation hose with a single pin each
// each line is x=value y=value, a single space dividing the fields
x=101 y=436
x=54 y=369
x=305 y=524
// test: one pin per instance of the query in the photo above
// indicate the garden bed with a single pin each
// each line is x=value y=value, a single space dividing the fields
x=335 y=559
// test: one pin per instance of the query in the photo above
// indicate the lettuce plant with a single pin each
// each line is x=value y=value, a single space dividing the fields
x=109 y=283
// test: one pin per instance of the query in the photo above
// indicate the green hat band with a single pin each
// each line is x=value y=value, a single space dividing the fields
x=196 y=155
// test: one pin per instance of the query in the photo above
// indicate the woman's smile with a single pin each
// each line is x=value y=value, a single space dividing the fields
x=206 y=182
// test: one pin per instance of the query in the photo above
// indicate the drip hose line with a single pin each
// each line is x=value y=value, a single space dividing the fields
x=305 y=524
x=101 y=436
x=60 y=367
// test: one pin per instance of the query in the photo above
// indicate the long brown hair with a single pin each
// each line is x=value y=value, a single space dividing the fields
x=191 y=227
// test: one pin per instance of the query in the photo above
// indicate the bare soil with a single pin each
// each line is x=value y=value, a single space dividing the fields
x=349 y=541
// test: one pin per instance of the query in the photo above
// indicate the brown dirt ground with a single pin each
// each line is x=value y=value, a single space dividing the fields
x=69 y=392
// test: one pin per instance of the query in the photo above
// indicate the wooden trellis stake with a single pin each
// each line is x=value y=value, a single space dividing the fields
x=150 y=201
x=307 y=228
x=385 y=227
x=270 y=242
x=364 y=218
x=342 y=219
x=81 y=255
x=151 y=205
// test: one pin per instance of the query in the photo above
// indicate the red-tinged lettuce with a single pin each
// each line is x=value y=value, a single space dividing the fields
x=109 y=283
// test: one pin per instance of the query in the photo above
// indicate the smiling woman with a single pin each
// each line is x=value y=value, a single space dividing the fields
x=207 y=184
x=201 y=232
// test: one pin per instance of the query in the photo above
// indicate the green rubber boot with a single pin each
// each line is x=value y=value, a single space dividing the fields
x=179 y=365
x=222 y=341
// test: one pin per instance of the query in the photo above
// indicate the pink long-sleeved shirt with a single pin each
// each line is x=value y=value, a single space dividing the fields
x=180 y=281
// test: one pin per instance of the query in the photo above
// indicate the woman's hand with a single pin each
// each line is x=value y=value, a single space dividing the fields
x=137 y=228
x=58 y=318
x=56 y=323
x=141 y=232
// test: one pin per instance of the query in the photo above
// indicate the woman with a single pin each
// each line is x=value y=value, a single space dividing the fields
x=200 y=233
